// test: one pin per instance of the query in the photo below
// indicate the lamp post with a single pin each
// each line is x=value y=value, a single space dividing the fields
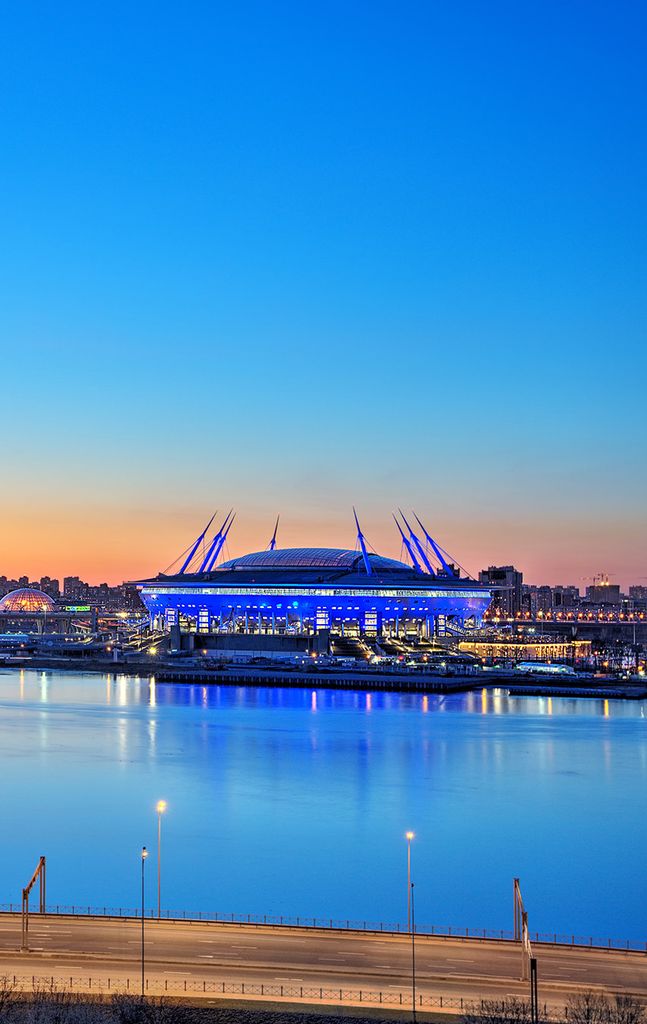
x=144 y=856
x=413 y=959
x=161 y=807
x=409 y=836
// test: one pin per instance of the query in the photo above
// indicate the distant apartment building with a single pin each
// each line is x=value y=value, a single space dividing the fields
x=507 y=587
x=604 y=593
x=50 y=587
x=74 y=589
x=566 y=597
x=547 y=599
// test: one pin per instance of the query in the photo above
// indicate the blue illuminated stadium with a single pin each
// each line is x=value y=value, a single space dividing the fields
x=307 y=590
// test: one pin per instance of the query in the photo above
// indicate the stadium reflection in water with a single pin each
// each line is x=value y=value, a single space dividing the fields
x=296 y=801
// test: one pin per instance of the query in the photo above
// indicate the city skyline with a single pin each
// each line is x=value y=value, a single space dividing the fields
x=295 y=534
x=326 y=258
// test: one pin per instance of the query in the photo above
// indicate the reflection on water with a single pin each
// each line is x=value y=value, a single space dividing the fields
x=297 y=801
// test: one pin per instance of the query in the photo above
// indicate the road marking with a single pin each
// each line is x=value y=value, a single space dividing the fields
x=276 y=978
x=458 y=960
x=234 y=946
x=206 y=956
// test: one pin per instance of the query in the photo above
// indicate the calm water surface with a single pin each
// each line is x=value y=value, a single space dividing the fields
x=296 y=802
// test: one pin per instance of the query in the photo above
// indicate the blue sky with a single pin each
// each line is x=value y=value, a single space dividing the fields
x=295 y=256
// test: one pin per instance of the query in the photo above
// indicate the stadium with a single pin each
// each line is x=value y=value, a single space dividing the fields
x=309 y=591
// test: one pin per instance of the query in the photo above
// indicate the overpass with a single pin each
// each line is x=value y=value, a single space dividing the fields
x=210 y=960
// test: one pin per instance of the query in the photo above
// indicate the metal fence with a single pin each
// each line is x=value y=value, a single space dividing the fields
x=118 y=984
x=336 y=924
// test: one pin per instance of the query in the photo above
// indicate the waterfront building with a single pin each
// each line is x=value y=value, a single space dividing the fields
x=312 y=590
x=493 y=650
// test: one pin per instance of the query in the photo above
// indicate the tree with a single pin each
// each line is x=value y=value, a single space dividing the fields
x=626 y=1009
x=597 y=1008
x=498 y=1011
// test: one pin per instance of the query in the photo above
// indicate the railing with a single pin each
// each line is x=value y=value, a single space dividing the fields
x=109 y=985
x=337 y=924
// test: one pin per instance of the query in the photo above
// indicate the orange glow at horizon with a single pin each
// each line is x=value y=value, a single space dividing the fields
x=114 y=545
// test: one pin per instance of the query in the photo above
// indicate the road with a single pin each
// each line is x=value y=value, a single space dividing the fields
x=202 y=953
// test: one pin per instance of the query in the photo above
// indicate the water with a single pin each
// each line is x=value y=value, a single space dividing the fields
x=296 y=802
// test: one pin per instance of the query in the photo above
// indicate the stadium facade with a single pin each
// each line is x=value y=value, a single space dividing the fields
x=309 y=590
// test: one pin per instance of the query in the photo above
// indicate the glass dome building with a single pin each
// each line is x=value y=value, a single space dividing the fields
x=27 y=601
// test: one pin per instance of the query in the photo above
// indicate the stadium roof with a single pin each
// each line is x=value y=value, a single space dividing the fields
x=311 y=558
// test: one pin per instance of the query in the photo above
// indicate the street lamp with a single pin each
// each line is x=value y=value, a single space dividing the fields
x=144 y=856
x=413 y=959
x=409 y=836
x=161 y=807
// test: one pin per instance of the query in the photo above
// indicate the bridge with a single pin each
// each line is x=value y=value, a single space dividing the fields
x=218 y=960
x=629 y=626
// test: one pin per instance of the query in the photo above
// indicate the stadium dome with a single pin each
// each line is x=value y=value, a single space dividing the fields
x=313 y=558
x=27 y=601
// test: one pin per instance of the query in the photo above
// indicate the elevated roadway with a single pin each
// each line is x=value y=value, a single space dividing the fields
x=303 y=964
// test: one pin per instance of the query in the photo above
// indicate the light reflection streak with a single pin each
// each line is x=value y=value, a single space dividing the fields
x=152 y=734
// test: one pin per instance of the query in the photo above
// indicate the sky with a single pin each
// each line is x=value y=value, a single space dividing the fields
x=294 y=257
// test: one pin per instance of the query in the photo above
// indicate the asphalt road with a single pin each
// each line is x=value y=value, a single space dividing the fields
x=98 y=948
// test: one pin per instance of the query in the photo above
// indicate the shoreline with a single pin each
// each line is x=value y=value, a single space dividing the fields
x=347 y=679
